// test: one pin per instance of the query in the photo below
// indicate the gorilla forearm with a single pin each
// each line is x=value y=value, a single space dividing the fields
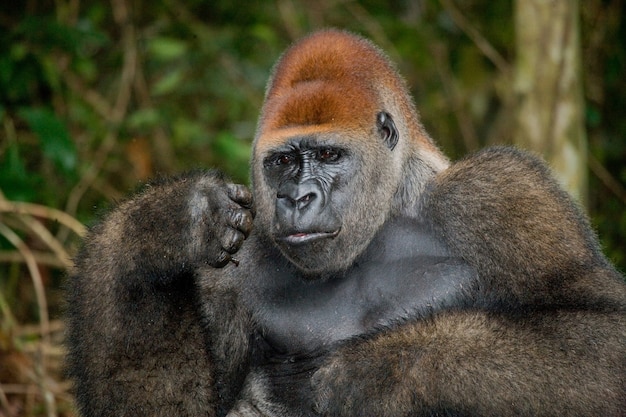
x=138 y=340
x=482 y=364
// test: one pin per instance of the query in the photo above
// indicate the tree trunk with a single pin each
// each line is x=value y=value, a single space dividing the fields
x=548 y=88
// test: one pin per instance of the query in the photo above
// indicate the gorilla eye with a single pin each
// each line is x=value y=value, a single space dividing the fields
x=328 y=155
x=284 y=159
x=280 y=160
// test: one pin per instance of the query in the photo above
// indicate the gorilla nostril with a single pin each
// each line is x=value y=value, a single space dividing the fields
x=305 y=200
x=286 y=200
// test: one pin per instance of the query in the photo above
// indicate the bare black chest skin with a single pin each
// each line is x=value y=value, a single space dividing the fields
x=405 y=272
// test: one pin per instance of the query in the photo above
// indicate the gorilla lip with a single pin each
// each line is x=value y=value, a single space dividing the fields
x=299 y=238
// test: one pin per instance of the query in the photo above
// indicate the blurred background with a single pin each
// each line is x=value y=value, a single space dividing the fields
x=97 y=96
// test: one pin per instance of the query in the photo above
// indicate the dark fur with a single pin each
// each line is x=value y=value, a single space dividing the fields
x=512 y=310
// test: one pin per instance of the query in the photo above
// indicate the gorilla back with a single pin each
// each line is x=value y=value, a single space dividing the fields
x=363 y=276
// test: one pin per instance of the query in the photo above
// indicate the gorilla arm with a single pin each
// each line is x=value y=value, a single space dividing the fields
x=547 y=336
x=480 y=364
x=136 y=345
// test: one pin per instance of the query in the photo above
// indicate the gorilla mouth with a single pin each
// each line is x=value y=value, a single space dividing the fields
x=300 y=238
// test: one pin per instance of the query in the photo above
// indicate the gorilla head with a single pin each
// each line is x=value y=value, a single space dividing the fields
x=338 y=148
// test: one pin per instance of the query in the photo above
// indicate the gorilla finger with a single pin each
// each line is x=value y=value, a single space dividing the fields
x=321 y=404
x=323 y=382
x=240 y=194
x=231 y=240
x=222 y=260
x=242 y=220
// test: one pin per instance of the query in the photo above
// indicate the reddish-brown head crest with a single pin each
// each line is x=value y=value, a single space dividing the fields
x=328 y=80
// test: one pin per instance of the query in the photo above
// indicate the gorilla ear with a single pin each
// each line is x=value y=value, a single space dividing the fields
x=387 y=129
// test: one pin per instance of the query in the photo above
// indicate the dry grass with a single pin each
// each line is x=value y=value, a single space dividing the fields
x=32 y=382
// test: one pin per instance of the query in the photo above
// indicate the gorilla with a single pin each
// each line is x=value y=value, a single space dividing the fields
x=363 y=275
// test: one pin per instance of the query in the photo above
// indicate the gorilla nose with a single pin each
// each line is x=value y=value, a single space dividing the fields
x=299 y=196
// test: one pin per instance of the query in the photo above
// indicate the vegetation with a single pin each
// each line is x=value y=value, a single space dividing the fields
x=98 y=96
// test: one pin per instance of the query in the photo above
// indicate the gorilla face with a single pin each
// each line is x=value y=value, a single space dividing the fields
x=305 y=174
x=311 y=181
x=327 y=203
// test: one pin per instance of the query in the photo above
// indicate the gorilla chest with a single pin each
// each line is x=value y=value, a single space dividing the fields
x=299 y=316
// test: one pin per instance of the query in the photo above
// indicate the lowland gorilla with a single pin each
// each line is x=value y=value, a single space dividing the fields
x=364 y=275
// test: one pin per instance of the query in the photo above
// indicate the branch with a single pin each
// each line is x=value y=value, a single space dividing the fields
x=119 y=109
x=44 y=321
x=464 y=120
x=42 y=258
x=37 y=210
x=91 y=96
x=46 y=237
x=607 y=179
x=479 y=40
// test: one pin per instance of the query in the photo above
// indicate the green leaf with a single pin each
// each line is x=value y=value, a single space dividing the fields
x=15 y=182
x=53 y=136
x=144 y=118
x=168 y=83
x=167 y=49
x=233 y=154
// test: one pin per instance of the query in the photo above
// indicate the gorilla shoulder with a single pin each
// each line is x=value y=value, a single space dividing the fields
x=533 y=238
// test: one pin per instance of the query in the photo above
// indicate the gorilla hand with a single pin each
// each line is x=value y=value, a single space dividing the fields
x=172 y=227
x=255 y=399
x=221 y=215
x=355 y=382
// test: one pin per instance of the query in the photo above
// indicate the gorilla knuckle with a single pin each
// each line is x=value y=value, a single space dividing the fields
x=232 y=240
x=222 y=259
x=325 y=383
x=240 y=194
x=242 y=220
